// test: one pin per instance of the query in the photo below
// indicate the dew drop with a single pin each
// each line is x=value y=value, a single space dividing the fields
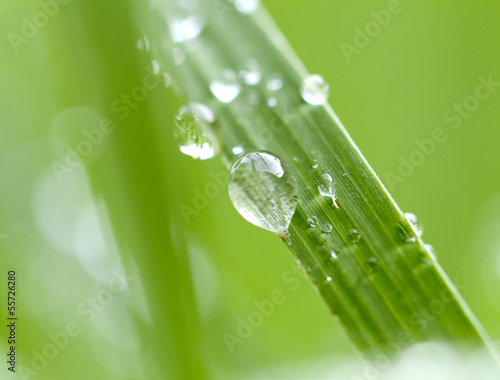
x=238 y=150
x=371 y=264
x=275 y=83
x=315 y=164
x=415 y=224
x=226 y=87
x=326 y=187
x=334 y=254
x=155 y=66
x=184 y=29
x=312 y=221
x=179 y=56
x=327 y=228
x=250 y=74
x=328 y=279
x=193 y=133
x=264 y=191
x=354 y=235
x=143 y=43
x=246 y=6
x=272 y=102
x=314 y=90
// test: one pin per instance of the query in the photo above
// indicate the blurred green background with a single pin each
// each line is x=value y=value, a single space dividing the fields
x=70 y=231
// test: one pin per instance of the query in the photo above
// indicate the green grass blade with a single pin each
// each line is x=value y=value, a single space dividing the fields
x=385 y=289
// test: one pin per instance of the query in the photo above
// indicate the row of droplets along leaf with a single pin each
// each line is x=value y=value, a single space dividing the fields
x=194 y=134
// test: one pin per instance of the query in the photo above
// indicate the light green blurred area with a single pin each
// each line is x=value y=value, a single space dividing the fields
x=67 y=239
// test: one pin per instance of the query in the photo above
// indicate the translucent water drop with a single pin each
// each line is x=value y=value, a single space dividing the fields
x=371 y=264
x=272 y=102
x=155 y=65
x=143 y=43
x=327 y=228
x=314 y=90
x=354 y=235
x=193 y=133
x=275 y=83
x=179 y=56
x=250 y=74
x=315 y=164
x=328 y=279
x=226 y=87
x=312 y=221
x=246 y=6
x=415 y=224
x=238 y=150
x=185 y=20
x=264 y=191
x=334 y=254
x=326 y=187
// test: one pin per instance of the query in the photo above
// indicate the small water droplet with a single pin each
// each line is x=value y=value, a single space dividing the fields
x=193 y=133
x=272 y=102
x=264 y=191
x=226 y=87
x=155 y=65
x=275 y=83
x=179 y=56
x=253 y=97
x=354 y=235
x=238 y=150
x=328 y=279
x=246 y=6
x=371 y=264
x=314 y=90
x=312 y=221
x=334 y=254
x=143 y=43
x=315 y=164
x=327 y=228
x=250 y=74
x=430 y=250
x=415 y=224
x=326 y=188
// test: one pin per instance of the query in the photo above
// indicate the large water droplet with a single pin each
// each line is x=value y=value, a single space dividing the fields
x=226 y=87
x=326 y=187
x=314 y=90
x=193 y=133
x=264 y=191
x=250 y=74
x=246 y=6
x=274 y=83
x=415 y=224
